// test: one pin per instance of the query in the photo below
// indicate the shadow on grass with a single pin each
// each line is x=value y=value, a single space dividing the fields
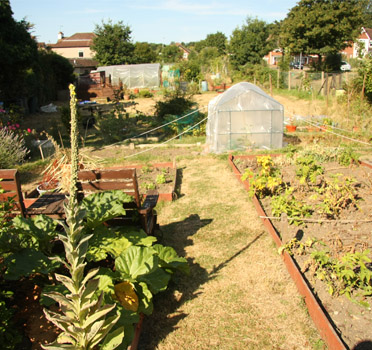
x=183 y=288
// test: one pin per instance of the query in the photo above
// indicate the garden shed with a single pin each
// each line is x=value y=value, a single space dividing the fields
x=134 y=75
x=244 y=117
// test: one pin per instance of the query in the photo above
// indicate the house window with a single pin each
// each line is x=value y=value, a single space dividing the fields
x=81 y=54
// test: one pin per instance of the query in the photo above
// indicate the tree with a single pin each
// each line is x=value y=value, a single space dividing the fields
x=250 y=43
x=18 y=52
x=217 y=40
x=171 y=54
x=143 y=53
x=112 y=44
x=322 y=27
x=367 y=22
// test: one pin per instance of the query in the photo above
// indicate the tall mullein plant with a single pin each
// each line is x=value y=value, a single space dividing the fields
x=84 y=318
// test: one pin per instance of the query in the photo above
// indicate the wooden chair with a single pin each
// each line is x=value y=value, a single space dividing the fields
x=124 y=179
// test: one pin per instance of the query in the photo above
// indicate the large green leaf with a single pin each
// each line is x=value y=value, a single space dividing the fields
x=113 y=339
x=110 y=244
x=41 y=230
x=103 y=206
x=170 y=260
x=136 y=261
x=145 y=297
x=157 y=280
x=26 y=262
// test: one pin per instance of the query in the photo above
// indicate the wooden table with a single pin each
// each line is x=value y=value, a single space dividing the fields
x=50 y=204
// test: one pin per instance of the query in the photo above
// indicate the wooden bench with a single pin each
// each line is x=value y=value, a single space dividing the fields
x=51 y=204
x=90 y=181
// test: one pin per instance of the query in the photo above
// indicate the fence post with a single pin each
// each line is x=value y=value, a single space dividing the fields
x=289 y=80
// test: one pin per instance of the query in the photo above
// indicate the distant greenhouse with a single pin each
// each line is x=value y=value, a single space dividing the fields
x=244 y=117
x=133 y=75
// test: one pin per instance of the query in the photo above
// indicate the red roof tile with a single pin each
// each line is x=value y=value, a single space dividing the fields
x=76 y=40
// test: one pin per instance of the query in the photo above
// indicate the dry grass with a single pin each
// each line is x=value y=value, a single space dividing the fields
x=239 y=295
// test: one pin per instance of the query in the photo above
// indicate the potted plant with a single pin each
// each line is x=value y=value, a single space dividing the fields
x=291 y=127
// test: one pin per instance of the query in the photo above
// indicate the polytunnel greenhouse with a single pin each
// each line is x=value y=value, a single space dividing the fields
x=244 y=117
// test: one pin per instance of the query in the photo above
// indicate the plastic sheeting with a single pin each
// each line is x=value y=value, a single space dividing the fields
x=244 y=117
x=134 y=75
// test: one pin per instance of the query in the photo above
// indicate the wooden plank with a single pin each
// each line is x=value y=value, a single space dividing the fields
x=7 y=173
x=92 y=175
x=105 y=186
x=10 y=186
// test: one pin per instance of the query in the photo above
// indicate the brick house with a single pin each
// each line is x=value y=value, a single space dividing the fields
x=363 y=45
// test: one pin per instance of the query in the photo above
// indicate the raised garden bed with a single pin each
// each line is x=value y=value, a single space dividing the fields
x=159 y=176
x=341 y=322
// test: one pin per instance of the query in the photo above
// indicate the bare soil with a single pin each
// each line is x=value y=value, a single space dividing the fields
x=349 y=232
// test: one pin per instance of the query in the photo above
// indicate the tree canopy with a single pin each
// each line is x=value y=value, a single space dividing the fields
x=18 y=52
x=144 y=53
x=171 y=54
x=112 y=44
x=250 y=43
x=322 y=27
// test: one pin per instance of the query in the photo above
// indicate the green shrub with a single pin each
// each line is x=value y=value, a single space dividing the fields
x=111 y=127
x=175 y=103
x=145 y=94
x=12 y=149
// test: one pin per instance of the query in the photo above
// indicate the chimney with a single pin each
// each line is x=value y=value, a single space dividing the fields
x=60 y=36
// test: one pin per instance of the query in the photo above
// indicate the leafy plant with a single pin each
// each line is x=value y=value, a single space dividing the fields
x=294 y=246
x=161 y=179
x=308 y=170
x=287 y=203
x=348 y=275
x=112 y=126
x=175 y=103
x=145 y=94
x=146 y=169
x=82 y=319
x=267 y=181
x=337 y=193
x=348 y=156
x=148 y=186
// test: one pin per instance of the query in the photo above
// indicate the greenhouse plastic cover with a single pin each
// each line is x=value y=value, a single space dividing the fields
x=134 y=75
x=244 y=116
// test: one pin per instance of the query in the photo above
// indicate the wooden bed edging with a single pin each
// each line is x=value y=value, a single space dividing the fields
x=318 y=315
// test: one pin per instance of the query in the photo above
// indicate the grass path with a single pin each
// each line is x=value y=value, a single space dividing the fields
x=238 y=295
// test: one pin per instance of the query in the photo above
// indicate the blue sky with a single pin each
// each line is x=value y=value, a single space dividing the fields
x=156 y=21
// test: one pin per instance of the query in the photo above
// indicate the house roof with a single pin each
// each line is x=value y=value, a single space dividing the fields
x=183 y=48
x=83 y=62
x=369 y=32
x=76 y=40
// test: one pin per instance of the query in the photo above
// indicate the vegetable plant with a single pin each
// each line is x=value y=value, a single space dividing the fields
x=308 y=170
x=287 y=203
x=348 y=156
x=161 y=179
x=267 y=181
x=337 y=193
x=349 y=275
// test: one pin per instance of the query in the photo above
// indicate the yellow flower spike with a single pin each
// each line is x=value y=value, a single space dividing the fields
x=126 y=295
